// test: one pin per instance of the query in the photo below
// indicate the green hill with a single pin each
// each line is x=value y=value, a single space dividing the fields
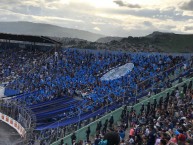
x=155 y=42
x=174 y=42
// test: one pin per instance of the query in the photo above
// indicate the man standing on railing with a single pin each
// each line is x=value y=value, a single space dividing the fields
x=88 y=133
x=111 y=121
x=73 y=138
x=184 y=88
x=104 y=130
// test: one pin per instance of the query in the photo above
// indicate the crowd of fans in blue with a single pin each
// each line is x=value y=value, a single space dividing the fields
x=75 y=73
x=68 y=83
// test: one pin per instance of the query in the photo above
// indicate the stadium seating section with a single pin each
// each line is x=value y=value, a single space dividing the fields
x=66 y=87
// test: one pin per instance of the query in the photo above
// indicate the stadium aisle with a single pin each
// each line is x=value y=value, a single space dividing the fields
x=8 y=135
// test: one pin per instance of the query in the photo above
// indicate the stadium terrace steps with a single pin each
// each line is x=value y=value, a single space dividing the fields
x=83 y=116
x=51 y=114
x=54 y=106
x=57 y=109
x=47 y=103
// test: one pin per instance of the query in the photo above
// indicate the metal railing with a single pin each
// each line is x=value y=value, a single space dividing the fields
x=22 y=115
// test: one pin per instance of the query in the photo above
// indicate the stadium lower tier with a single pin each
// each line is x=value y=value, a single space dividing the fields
x=66 y=110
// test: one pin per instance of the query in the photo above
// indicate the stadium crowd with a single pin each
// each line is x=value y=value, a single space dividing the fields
x=54 y=133
x=16 y=61
x=164 y=122
x=70 y=71
x=77 y=73
x=70 y=74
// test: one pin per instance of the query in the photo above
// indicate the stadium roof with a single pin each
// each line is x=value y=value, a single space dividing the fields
x=28 y=38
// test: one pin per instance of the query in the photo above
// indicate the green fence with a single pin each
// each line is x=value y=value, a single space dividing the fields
x=81 y=133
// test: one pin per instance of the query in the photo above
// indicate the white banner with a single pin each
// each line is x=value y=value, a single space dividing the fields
x=13 y=123
x=118 y=72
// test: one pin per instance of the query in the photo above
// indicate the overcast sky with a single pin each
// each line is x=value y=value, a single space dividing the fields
x=107 y=17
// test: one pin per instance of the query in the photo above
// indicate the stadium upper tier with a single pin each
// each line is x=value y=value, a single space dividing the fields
x=69 y=84
x=16 y=61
